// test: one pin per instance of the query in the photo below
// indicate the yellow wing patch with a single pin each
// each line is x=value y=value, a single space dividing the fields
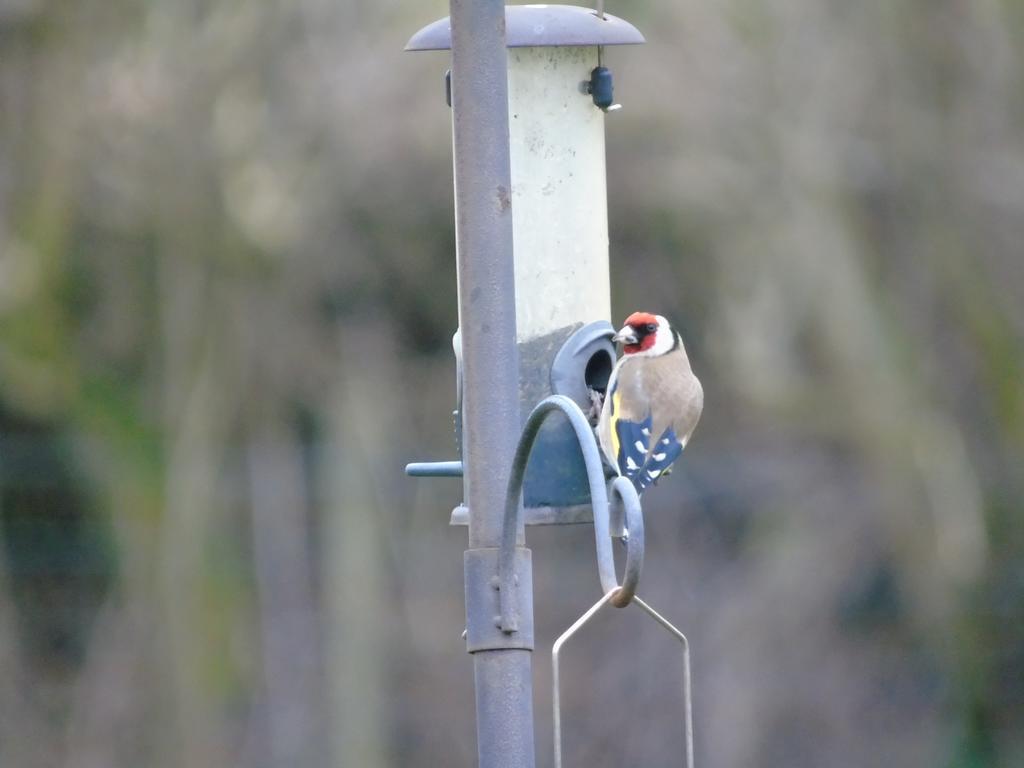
x=612 y=418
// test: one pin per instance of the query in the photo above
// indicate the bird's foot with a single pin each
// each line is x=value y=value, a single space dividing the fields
x=596 y=403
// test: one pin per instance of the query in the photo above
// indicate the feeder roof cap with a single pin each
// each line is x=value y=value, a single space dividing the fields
x=528 y=26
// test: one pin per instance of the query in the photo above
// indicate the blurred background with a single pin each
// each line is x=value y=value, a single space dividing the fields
x=227 y=293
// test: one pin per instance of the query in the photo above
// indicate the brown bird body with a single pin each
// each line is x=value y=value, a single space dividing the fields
x=654 y=401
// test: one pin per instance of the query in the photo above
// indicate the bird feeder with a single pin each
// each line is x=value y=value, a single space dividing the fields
x=559 y=94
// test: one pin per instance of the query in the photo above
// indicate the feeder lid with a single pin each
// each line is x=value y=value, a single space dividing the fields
x=528 y=26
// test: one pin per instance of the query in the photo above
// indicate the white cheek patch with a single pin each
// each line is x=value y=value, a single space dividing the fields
x=663 y=341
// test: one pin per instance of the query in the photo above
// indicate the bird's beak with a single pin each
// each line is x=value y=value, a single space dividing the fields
x=626 y=335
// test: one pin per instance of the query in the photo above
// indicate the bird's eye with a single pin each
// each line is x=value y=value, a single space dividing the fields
x=652 y=327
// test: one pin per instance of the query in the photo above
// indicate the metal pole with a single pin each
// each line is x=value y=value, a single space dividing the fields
x=487 y=319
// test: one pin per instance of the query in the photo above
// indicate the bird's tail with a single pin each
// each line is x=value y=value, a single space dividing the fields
x=640 y=460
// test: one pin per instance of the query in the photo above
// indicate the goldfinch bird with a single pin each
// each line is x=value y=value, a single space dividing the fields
x=653 y=401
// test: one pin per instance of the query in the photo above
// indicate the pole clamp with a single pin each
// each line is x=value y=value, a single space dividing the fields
x=486 y=594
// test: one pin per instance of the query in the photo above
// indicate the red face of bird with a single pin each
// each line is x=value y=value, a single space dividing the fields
x=646 y=335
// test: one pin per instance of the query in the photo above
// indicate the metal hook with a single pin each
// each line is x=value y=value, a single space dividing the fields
x=579 y=624
x=626 y=508
x=622 y=490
